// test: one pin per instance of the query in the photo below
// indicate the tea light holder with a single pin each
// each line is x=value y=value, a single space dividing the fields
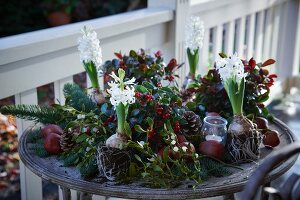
x=214 y=128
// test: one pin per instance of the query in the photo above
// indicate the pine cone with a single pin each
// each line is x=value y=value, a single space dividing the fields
x=66 y=142
x=193 y=125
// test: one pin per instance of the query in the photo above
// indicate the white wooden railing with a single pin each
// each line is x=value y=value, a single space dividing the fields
x=259 y=28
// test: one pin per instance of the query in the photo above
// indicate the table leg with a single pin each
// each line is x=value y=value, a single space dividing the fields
x=66 y=193
x=228 y=197
x=265 y=195
x=84 y=196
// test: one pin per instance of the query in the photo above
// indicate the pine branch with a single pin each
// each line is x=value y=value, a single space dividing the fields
x=43 y=114
x=70 y=159
x=89 y=168
x=213 y=168
x=38 y=149
x=78 y=99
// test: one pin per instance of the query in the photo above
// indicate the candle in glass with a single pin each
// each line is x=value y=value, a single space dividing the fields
x=214 y=128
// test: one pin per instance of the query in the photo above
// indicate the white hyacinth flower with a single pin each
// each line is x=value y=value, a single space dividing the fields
x=194 y=33
x=173 y=142
x=118 y=94
x=89 y=47
x=229 y=67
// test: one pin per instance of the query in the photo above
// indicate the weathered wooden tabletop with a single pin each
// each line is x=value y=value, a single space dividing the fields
x=69 y=177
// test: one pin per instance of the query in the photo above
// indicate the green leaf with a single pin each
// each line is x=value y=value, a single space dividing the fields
x=166 y=155
x=71 y=124
x=150 y=121
x=148 y=85
x=132 y=53
x=138 y=158
x=127 y=130
x=145 y=174
x=139 y=129
x=191 y=105
x=81 y=138
x=166 y=89
x=132 y=169
x=157 y=168
x=135 y=112
x=141 y=89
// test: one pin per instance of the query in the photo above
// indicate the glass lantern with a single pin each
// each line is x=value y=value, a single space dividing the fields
x=214 y=128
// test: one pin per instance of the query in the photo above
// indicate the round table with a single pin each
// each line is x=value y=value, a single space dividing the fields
x=69 y=177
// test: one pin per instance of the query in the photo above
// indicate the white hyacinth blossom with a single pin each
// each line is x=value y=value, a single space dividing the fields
x=194 y=33
x=121 y=92
x=229 y=67
x=89 y=47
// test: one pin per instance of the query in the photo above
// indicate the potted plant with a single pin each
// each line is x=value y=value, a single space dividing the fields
x=58 y=12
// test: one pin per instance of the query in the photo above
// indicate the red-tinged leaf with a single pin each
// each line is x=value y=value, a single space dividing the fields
x=172 y=64
x=271 y=76
x=268 y=62
x=119 y=55
x=158 y=54
x=252 y=63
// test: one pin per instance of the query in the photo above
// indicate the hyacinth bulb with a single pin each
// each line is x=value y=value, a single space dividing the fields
x=117 y=141
x=241 y=127
x=97 y=96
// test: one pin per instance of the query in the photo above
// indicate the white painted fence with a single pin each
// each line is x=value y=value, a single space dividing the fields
x=259 y=28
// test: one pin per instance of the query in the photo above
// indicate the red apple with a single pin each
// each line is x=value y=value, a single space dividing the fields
x=52 y=143
x=51 y=128
x=271 y=138
x=262 y=123
x=212 y=148
x=181 y=139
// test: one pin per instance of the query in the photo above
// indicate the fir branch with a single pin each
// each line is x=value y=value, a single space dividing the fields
x=88 y=168
x=34 y=135
x=38 y=149
x=43 y=114
x=70 y=159
x=212 y=167
x=78 y=99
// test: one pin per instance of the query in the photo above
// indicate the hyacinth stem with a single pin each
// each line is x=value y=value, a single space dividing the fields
x=193 y=58
x=121 y=109
x=235 y=91
x=91 y=70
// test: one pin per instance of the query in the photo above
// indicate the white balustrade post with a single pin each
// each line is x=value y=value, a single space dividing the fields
x=204 y=54
x=240 y=37
x=229 y=37
x=217 y=41
x=259 y=35
x=288 y=40
x=177 y=29
x=250 y=40
x=268 y=34
x=31 y=184
x=296 y=65
x=59 y=87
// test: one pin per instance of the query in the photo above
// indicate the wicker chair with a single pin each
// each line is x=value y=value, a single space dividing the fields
x=289 y=190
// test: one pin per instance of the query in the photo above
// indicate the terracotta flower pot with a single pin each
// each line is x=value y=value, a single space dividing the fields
x=58 y=18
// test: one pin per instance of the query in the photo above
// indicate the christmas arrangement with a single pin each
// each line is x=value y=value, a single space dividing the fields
x=142 y=127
